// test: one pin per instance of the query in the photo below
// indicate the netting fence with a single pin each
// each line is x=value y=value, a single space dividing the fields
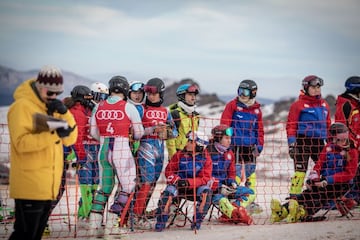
x=274 y=169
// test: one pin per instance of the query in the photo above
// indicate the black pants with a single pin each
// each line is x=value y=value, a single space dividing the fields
x=317 y=198
x=31 y=217
x=306 y=148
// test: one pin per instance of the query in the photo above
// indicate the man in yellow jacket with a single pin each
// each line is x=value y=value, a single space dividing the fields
x=36 y=157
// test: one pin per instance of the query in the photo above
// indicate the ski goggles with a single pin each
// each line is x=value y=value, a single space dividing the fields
x=193 y=89
x=314 y=82
x=137 y=87
x=244 y=92
x=98 y=96
x=229 y=131
x=150 y=89
x=51 y=93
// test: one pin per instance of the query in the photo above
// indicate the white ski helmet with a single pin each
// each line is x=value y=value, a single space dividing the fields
x=99 y=91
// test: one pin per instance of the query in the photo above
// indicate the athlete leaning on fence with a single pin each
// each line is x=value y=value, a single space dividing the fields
x=110 y=123
x=307 y=125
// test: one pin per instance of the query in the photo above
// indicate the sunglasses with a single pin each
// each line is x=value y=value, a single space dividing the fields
x=244 y=92
x=51 y=93
x=151 y=89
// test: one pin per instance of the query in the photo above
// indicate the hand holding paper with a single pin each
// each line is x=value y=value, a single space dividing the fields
x=43 y=122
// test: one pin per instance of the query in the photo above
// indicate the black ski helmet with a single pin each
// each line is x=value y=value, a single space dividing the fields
x=249 y=85
x=352 y=85
x=82 y=94
x=119 y=84
x=155 y=85
x=220 y=130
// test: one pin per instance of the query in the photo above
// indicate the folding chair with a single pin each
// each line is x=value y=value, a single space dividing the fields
x=181 y=209
x=182 y=205
x=211 y=211
x=342 y=204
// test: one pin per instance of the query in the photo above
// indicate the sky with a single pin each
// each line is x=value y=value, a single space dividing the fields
x=217 y=43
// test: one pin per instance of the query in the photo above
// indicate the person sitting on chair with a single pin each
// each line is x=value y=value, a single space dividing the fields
x=330 y=179
x=224 y=185
x=182 y=182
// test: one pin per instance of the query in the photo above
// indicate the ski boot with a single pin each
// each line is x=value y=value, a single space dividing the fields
x=46 y=231
x=278 y=212
x=161 y=221
x=296 y=212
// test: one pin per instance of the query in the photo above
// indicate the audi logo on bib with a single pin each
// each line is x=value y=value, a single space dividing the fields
x=154 y=114
x=110 y=115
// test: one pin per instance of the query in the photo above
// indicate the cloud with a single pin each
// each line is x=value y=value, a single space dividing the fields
x=207 y=40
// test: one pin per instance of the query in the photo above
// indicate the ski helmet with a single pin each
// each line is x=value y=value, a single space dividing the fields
x=136 y=86
x=352 y=84
x=186 y=88
x=338 y=132
x=119 y=84
x=155 y=85
x=200 y=139
x=247 y=88
x=220 y=130
x=82 y=94
x=99 y=91
x=311 y=80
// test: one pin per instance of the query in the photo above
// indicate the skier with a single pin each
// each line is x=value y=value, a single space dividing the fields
x=110 y=124
x=181 y=181
x=330 y=179
x=135 y=96
x=80 y=104
x=307 y=125
x=348 y=112
x=184 y=115
x=159 y=126
x=244 y=115
x=224 y=184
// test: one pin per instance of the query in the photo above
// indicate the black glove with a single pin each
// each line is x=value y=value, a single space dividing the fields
x=182 y=183
x=56 y=105
x=292 y=151
x=64 y=132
